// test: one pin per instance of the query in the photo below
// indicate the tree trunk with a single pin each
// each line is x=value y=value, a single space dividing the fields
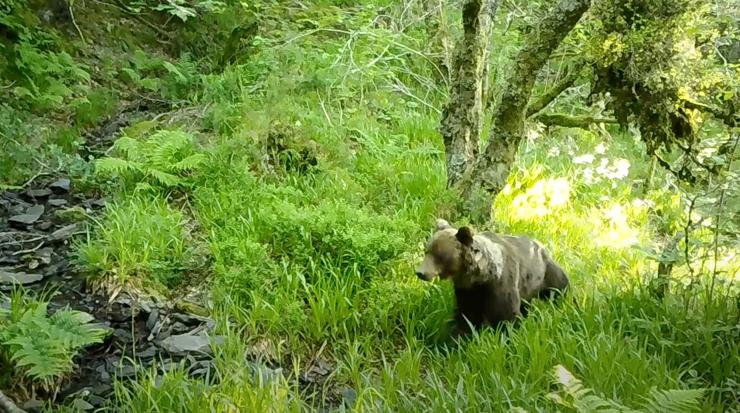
x=488 y=175
x=461 y=122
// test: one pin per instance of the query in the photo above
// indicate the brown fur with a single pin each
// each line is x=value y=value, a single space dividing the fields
x=494 y=275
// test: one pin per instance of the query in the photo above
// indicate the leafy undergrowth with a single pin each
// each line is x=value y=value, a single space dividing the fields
x=37 y=350
x=314 y=173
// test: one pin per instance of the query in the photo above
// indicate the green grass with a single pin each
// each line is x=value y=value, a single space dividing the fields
x=319 y=261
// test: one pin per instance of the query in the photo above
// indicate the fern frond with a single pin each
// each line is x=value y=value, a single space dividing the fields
x=164 y=178
x=166 y=147
x=116 y=166
x=128 y=146
x=74 y=330
x=674 y=401
x=189 y=163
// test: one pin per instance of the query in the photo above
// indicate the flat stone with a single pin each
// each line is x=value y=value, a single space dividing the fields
x=63 y=232
x=97 y=401
x=38 y=193
x=190 y=319
x=44 y=255
x=60 y=185
x=57 y=202
x=184 y=344
x=32 y=215
x=179 y=328
x=44 y=225
x=149 y=353
x=22 y=278
x=82 y=405
x=349 y=396
x=127 y=371
x=33 y=405
x=151 y=321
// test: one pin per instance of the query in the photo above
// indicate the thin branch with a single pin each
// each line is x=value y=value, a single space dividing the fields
x=566 y=82
x=567 y=121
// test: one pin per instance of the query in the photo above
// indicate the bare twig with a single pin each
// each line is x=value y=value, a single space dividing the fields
x=27 y=251
x=74 y=22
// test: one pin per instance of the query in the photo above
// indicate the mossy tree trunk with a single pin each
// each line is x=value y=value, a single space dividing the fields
x=461 y=123
x=480 y=178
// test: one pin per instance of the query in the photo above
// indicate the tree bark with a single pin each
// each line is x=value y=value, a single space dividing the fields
x=461 y=122
x=487 y=177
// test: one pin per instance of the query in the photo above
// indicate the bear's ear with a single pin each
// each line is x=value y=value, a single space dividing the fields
x=465 y=236
x=442 y=224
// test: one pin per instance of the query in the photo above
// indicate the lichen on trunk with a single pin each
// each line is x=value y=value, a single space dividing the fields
x=461 y=123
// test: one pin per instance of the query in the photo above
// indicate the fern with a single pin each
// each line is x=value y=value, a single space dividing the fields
x=674 y=400
x=579 y=398
x=41 y=348
x=164 y=160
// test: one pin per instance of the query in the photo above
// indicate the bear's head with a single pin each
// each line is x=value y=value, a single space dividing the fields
x=447 y=253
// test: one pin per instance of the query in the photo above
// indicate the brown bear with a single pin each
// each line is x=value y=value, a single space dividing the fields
x=494 y=276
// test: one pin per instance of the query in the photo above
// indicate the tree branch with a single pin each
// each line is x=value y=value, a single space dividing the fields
x=566 y=121
x=547 y=98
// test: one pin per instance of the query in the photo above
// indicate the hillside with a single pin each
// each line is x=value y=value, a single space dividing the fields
x=233 y=199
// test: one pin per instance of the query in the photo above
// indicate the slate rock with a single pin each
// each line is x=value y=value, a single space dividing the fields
x=190 y=319
x=32 y=215
x=97 y=401
x=179 y=328
x=44 y=225
x=33 y=405
x=104 y=376
x=151 y=321
x=149 y=353
x=22 y=278
x=102 y=389
x=63 y=232
x=126 y=371
x=82 y=406
x=184 y=344
x=60 y=185
x=349 y=396
x=57 y=202
x=44 y=255
x=38 y=193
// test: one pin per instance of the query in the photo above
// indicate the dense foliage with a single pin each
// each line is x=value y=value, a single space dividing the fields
x=284 y=156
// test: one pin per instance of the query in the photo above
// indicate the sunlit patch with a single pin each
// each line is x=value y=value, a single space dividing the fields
x=583 y=159
x=553 y=152
x=613 y=228
x=600 y=149
x=542 y=199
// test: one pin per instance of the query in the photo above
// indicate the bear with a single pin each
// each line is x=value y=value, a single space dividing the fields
x=494 y=276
